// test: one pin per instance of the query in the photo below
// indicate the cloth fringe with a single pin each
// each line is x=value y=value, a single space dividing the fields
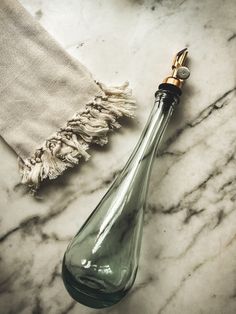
x=89 y=125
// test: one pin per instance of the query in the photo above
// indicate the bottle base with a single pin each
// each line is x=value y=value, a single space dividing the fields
x=88 y=296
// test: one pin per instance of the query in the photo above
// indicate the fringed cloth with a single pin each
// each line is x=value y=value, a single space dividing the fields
x=51 y=109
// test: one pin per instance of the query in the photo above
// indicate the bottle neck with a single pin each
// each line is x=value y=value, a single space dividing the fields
x=151 y=136
x=133 y=181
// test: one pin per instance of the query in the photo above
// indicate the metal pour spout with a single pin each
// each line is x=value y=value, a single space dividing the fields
x=179 y=71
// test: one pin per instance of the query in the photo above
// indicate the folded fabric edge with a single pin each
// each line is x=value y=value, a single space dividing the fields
x=89 y=125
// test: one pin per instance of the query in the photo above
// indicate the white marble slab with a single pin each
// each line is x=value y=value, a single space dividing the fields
x=188 y=258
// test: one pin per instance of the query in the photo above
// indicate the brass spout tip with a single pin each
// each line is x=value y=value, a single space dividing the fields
x=180 y=58
x=182 y=51
x=180 y=72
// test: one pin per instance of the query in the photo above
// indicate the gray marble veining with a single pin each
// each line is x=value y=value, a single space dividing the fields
x=188 y=257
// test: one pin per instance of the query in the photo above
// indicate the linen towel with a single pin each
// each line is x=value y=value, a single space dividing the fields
x=51 y=109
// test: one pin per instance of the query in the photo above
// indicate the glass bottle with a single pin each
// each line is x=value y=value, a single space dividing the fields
x=101 y=262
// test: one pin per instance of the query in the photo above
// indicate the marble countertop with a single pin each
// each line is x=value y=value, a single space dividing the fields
x=188 y=257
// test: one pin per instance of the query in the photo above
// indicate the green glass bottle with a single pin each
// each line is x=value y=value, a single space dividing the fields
x=101 y=262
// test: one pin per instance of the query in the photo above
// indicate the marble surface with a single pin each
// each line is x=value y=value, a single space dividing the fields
x=188 y=257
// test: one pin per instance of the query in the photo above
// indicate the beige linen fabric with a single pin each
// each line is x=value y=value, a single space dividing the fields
x=51 y=109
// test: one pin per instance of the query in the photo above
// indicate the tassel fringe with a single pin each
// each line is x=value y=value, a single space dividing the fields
x=89 y=125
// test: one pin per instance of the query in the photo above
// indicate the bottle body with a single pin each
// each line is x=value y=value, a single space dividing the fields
x=101 y=262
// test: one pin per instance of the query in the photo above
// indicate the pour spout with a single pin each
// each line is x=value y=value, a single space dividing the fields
x=179 y=71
